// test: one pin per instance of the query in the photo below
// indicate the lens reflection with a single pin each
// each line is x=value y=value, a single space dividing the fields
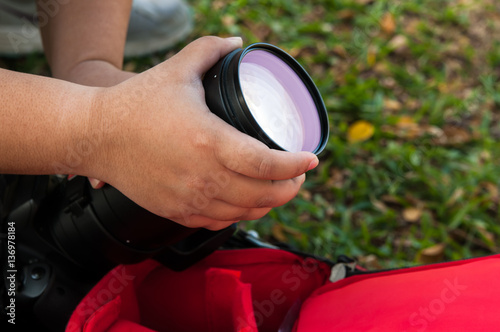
x=279 y=101
x=271 y=106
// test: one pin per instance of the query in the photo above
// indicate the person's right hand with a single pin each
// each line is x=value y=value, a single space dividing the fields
x=158 y=143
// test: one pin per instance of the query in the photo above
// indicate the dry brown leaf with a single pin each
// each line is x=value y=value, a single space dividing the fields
x=488 y=236
x=382 y=68
x=410 y=26
x=346 y=14
x=218 y=5
x=430 y=255
x=485 y=156
x=370 y=262
x=405 y=122
x=365 y=2
x=392 y=105
x=457 y=194
x=305 y=194
x=340 y=51
x=456 y=135
x=336 y=179
x=391 y=199
x=492 y=190
x=330 y=211
x=412 y=104
x=388 y=23
x=379 y=205
x=228 y=20
x=407 y=128
x=278 y=233
x=399 y=44
x=434 y=131
x=412 y=214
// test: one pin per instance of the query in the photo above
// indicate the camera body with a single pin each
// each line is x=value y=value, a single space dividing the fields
x=69 y=235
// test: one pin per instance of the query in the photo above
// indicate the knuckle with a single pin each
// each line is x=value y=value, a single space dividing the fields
x=203 y=140
x=299 y=180
x=265 y=201
x=207 y=41
x=258 y=213
x=265 y=167
x=243 y=214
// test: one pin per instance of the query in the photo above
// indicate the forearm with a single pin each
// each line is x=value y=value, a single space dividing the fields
x=84 y=42
x=40 y=118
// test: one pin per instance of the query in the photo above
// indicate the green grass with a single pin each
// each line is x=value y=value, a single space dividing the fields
x=441 y=63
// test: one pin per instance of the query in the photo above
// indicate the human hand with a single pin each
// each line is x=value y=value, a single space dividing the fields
x=164 y=149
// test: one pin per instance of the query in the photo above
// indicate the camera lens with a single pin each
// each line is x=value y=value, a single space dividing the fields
x=265 y=93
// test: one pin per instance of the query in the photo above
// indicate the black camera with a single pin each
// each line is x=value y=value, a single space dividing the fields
x=68 y=235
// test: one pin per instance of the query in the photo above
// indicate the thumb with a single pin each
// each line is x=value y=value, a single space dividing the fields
x=203 y=53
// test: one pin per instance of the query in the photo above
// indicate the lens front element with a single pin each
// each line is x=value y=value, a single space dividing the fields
x=279 y=101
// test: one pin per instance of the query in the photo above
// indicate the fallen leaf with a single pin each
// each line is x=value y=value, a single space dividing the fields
x=336 y=179
x=407 y=128
x=456 y=135
x=379 y=205
x=430 y=255
x=485 y=156
x=491 y=189
x=457 y=194
x=388 y=23
x=391 y=199
x=371 y=56
x=228 y=20
x=346 y=14
x=382 y=68
x=278 y=233
x=398 y=44
x=218 y=5
x=411 y=26
x=330 y=211
x=370 y=262
x=340 y=51
x=489 y=237
x=365 y=2
x=392 y=105
x=360 y=131
x=412 y=214
x=279 y=230
x=406 y=122
x=305 y=194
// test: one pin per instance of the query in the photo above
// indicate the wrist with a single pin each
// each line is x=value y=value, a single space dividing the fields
x=77 y=145
x=95 y=73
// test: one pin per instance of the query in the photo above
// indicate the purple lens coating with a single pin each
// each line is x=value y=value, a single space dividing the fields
x=279 y=101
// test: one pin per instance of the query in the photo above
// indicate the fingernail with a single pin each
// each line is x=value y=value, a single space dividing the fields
x=313 y=164
x=237 y=41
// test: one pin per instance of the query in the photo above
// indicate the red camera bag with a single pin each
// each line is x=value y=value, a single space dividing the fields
x=249 y=290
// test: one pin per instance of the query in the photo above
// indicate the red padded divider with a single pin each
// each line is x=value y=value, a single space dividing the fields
x=456 y=296
x=236 y=290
